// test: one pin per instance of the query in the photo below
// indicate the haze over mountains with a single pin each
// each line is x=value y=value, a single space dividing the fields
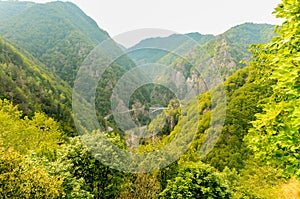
x=220 y=90
x=58 y=36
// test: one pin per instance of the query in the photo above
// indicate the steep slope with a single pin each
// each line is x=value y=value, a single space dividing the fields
x=242 y=92
x=224 y=148
x=221 y=54
x=242 y=36
x=34 y=89
x=59 y=34
x=224 y=52
x=198 y=68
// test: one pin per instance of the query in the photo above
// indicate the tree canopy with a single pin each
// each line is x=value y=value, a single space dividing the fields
x=276 y=131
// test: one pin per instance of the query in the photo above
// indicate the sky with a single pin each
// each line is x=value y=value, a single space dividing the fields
x=180 y=16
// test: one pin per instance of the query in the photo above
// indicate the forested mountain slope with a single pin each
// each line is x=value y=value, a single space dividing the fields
x=59 y=34
x=33 y=88
x=224 y=52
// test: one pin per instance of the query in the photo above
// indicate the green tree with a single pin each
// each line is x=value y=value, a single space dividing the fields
x=140 y=185
x=84 y=174
x=196 y=180
x=40 y=134
x=275 y=133
x=23 y=177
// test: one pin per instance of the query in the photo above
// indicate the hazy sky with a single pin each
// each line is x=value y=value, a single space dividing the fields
x=182 y=16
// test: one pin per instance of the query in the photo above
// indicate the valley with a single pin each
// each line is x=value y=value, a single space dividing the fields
x=180 y=116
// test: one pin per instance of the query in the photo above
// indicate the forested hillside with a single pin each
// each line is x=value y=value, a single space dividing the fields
x=238 y=138
x=59 y=34
x=223 y=52
x=33 y=88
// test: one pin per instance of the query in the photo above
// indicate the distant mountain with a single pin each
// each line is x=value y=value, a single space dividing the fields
x=224 y=52
x=59 y=34
x=250 y=33
x=34 y=89
x=153 y=49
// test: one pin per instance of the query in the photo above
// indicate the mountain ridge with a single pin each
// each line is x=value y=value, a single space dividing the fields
x=58 y=33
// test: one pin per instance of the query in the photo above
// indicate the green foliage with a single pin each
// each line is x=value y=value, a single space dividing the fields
x=141 y=185
x=39 y=134
x=257 y=180
x=275 y=133
x=22 y=177
x=242 y=105
x=84 y=174
x=196 y=180
x=32 y=88
x=60 y=36
x=242 y=95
